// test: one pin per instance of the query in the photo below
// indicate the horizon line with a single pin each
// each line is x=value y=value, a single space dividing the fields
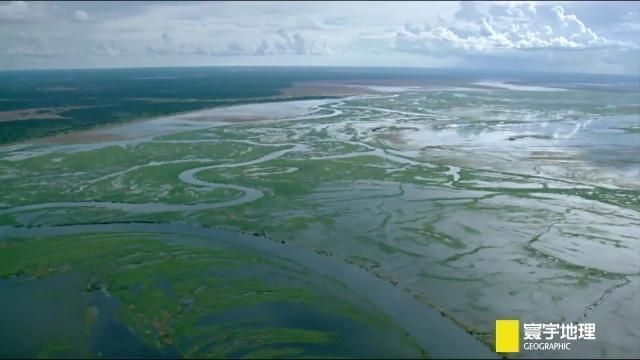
x=497 y=71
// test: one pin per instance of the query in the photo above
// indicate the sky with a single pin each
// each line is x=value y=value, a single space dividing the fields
x=588 y=37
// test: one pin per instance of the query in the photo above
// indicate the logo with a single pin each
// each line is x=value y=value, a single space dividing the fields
x=540 y=336
x=507 y=336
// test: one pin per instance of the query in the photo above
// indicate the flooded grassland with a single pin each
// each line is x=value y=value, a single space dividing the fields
x=479 y=202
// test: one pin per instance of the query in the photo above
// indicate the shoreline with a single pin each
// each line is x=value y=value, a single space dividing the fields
x=296 y=91
x=55 y=138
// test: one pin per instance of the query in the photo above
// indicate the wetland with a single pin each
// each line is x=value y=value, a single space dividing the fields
x=390 y=222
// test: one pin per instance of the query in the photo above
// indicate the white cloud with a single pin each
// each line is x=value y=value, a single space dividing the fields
x=169 y=48
x=276 y=42
x=472 y=34
x=513 y=26
x=285 y=42
x=80 y=15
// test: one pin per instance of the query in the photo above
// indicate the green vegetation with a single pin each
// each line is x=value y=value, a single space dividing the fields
x=166 y=290
x=474 y=201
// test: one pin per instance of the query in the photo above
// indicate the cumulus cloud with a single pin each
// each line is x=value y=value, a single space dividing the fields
x=278 y=42
x=169 y=47
x=582 y=37
x=515 y=26
x=107 y=48
x=285 y=43
x=80 y=15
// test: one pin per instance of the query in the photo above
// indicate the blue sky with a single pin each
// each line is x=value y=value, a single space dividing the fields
x=590 y=37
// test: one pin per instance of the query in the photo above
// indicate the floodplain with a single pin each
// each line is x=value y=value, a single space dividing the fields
x=477 y=201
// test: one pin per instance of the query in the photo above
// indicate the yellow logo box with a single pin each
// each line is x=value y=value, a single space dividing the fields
x=507 y=336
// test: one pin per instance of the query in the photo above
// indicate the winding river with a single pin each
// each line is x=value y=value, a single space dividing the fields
x=433 y=332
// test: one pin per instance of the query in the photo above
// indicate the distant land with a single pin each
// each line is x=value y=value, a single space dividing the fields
x=405 y=211
x=38 y=103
